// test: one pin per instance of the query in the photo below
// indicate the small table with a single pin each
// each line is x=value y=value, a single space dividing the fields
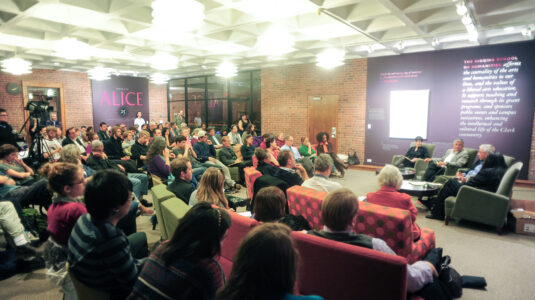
x=419 y=188
x=406 y=173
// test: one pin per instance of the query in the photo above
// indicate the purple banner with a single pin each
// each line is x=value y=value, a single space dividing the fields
x=484 y=95
x=117 y=100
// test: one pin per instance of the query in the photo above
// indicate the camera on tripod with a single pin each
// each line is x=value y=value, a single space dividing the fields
x=39 y=107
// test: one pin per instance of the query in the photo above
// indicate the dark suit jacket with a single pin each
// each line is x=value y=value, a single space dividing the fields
x=487 y=179
x=215 y=137
x=227 y=155
x=182 y=189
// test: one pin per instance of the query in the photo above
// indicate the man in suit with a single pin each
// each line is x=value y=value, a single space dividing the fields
x=456 y=158
x=214 y=139
x=482 y=154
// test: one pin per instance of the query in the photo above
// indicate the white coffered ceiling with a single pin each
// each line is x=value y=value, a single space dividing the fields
x=122 y=37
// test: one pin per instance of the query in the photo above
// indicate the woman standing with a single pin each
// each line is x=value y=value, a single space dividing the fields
x=13 y=166
x=139 y=121
x=211 y=189
x=325 y=147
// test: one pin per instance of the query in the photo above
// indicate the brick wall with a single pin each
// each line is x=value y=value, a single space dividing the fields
x=158 y=102
x=285 y=92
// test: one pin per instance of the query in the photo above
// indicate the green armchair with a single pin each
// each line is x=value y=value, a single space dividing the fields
x=420 y=166
x=159 y=195
x=482 y=206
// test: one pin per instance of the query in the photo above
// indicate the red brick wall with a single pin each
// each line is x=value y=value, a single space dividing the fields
x=285 y=92
x=158 y=102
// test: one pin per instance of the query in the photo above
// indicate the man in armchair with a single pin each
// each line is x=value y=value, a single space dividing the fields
x=456 y=157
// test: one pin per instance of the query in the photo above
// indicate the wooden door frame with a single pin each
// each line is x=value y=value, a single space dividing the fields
x=55 y=85
x=309 y=113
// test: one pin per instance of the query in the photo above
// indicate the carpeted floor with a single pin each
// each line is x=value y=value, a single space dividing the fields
x=505 y=261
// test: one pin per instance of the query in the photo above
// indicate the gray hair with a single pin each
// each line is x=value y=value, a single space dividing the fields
x=487 y=148
x=390 y=176
x=96 y=144
x=323 y=162
x=458 y=140
x=70 y=153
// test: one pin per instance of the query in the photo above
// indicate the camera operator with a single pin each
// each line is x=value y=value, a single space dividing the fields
x=6 y=131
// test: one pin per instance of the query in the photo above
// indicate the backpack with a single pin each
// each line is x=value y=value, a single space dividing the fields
x=353 y=159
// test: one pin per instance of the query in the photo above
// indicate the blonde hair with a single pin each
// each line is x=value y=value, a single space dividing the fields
x=390 y=176
x=211 y=188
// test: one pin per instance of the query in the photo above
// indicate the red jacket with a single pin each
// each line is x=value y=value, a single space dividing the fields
x=388 y=196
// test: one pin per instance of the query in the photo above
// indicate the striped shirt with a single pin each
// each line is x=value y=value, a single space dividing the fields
x=99 y=256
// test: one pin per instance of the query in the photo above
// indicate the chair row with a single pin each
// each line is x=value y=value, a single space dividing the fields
x=169 y=210
x=392 y=225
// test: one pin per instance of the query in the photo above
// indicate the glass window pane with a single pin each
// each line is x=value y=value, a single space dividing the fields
x=239 y=108
x=195 y=113
x=240 y=86
x=174 y=108
x=196 y=88
x=218 y=113
x=177 y=90
x=217 y=87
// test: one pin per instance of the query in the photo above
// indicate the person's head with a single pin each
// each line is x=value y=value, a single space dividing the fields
x=44 y=132
x=53 y=116
x=280 y=136
x=196 y=132
x=139 y=114
x=244 y=117
x=165 y=132
x=338 y=209
x=160 y=126
x=250 y=128
x=123 y=127
x=181 y=142
x=458 y=145
x=234 y=129
x=97 y=148
x=156 y=148
x=83 y=129
x=152 y=125
x=144 y=127
x=59 y=132
x=133 y=129
x=304 y=140
x=286 y=159
x=224 y=132
x=3 y=115
x=270 y=141
x=211 y=131
x=144 y=136
x=71 y=133
x=197 y=114
x=494 y=160
x=249 y=140
x=261 y=154
x=70 y=154
x=8 y=152
x=51 y=132
x=94 y=137
x=323 y=164
x=108 y=195
x=181 y=168
x=90 y=129
x=64 y=178
x=211 y=187
x=173 y=125
x=201 y=136
x=225 y=141
x=419 y=141
x=198 y=234
x=157 y=132
x=322 y=137
x=117 y=132
x=185 y=131
x=289 y=140
x=103 y=126
x=265 y=265
x=127 y=135
x=270 y=204
x=203 y=126
x=485 y=150
x=390 y=176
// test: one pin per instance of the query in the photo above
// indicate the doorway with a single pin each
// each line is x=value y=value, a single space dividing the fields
x=323 y=116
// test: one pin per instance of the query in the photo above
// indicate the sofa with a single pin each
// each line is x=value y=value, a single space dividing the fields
x=392 y=225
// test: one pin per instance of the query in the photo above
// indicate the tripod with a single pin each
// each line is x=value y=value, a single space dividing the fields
x=35 y=149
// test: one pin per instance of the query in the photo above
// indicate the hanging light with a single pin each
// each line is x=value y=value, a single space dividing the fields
x=226 y=70
x=181 y=15
x=461 y=9
x=16 y=66
x=466 y=20
x=159 y=78
x=330 y=58
x=164 y=62
x=71 y=48
x=100 y=73
x=275 y=42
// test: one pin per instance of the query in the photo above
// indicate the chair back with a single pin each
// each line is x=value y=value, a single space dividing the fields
x=84 y=292
x=156 y=180
x=173 y=210
x=160 y=194
x=306 y=202
x=250 y=174
x=472 y=154
x=508 y=160
x=508 y=181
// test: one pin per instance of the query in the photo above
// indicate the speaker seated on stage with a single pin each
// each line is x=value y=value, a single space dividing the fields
x=456 y=157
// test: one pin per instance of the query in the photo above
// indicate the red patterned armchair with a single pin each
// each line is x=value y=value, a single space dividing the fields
x=250 y=174
x=392 y=225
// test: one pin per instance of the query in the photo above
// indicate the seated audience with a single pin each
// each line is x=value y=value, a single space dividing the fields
x=169 y=139
x=413 y=154
x=247 y=150
x=265 y=162
x=338 y=211
x=140 y=147
x=270 y=204
x=91 y=136
x=210 y=189
x=158 y=159
x=289 y=171
x=67 y=181
x=229 y=158
x=265 y=137
x=51 y=146
x=213 y=138
x=128 y=142
x=53 y=121
x=250 y=131
x=11 y=225
x=264 y=267
x=71 y=154
x=304 y=161
x=306 y=149
x=279 y=140
x=14 y=167
x=234 y=135
x=390 y=181
x=320 y=181
x=488 y=179
x=456 y=157
x=272 y=147
x=100 y=255
x=186 y=266
x=186 y=151
x=182 y=186
x=325 y=147
x=243 y=123
x=59 y=135
x=103 y=132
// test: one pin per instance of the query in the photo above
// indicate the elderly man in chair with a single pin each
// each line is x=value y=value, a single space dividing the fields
x=456 y=157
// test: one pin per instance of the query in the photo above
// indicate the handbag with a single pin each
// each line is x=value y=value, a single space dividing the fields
x=353 y=159
x=449 y=278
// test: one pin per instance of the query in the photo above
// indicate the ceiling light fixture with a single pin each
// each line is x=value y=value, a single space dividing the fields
x=183 y=15
x=467 y=20
x=330 y=58
x=164 y=62
x=159 y=78
x=100 y=73
x=435 y=42
x=275 y=42
x=461 y=9
x=71 y=48
x=399 y=45
x=16 y=66
x=226 y=70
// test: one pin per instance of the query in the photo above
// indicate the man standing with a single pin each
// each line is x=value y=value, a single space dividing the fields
x=206 y=153
x=6 y=131
x=322 y=170
x=103 y=132
x=289 y=171
x=182 y=186
x=228 y=158
x=304 y=161
x=456 y=158
x=179 y=119
x=53 y=120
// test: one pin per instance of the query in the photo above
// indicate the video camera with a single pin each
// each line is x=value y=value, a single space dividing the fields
x=37 y=108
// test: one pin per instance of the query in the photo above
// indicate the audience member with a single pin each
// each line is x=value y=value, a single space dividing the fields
x=320 y=181
x=158 y=159
x=264 y=267
x=213 y=138
x=289 y=171
x=103 y=132
x=128 y=142
x=265 y=162
x=306 y=149
x=279 y=140
x=234 y=135
x=457 y=157
x=390 y=181
x=304 y=161
x=229 y=158
x=59 y=135
x=247 y=150
x=483 y=153
x=250 y=131
x=140 y=147
x=243 y=123
x=186 y=151
x=91 y=136
x=100 y=255
x=51 y=146
x=325 y=147
x=182 y=186
x=270 y=204
x=53 y=121
x=71 y=154
x=14 y=167
x=6 y=131
x=210 y=189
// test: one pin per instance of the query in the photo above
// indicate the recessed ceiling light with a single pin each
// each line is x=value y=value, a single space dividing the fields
x=275 y=42
x=226 y=70
x=100 y=73
x=71 y=48
x=159 y=78
x=461 y=9
x=183 y=15
x=164 y=62
x=466 y=20
x=330 y=58
x=16 y=66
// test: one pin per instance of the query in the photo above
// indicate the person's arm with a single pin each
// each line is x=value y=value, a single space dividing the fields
x=121 y=263
x=240 y=126
x=25 y=166
x=6 y=180
x=301 y=171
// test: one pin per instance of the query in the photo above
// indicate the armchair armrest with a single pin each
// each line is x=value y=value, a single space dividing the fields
x=481 y=206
